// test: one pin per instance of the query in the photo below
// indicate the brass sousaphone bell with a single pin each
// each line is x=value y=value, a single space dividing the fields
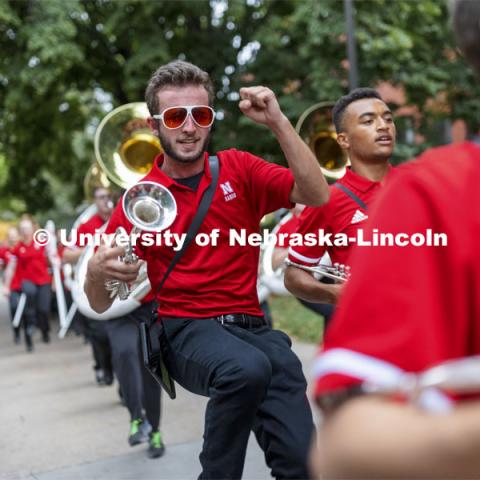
x=125 y=147
x=315 y=127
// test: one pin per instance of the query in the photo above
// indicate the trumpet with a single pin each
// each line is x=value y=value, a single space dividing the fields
x=149 y=207
x=337 y=271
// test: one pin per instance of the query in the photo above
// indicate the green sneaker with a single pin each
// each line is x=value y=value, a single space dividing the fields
x=156 y=448
x=139 y=430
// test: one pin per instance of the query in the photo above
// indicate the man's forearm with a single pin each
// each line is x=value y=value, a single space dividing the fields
x=372 y=437
x=303 y=285
x=97 y=295
x=9 y=272
x=311 y=188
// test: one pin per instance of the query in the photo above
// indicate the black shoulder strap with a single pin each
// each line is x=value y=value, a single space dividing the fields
x=346 y=190
x=202 y=210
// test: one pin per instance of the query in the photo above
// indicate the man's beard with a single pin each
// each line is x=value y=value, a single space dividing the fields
x=170 y=151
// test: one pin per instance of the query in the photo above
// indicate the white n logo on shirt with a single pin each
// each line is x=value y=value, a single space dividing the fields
x=228 y=192
x=226 y=188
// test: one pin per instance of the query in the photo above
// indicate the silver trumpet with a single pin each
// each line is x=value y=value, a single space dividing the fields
x=337 y=271
x=149 y=207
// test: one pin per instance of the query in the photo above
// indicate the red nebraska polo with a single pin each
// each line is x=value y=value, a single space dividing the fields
x=221 y=279
x=340 y=215
x=410 y=308
x=32 y=261
x=285 y=230
x=90 y=226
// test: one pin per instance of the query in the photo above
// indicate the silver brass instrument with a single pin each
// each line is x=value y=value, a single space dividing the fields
x=149 y=207
x=315 y=127
x=337 y=271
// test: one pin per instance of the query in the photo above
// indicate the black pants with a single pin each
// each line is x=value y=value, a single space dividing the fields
x=96 y=332
x=139 y=389
x=13 y=303
x=255 y=382
x=37 y=306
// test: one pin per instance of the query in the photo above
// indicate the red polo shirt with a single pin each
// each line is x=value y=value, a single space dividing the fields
x=32 y=261
x=215 y=280
x=410 y=308
x=285 y=230
x=341 y=214
x=91 y=226
x=3 y=255
x=16 y=283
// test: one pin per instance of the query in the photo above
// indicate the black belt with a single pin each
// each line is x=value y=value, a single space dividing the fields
x=240 y=320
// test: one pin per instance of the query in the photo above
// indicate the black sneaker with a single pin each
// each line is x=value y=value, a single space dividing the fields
x=45 y=337
x=156 y=448
x=139 y=430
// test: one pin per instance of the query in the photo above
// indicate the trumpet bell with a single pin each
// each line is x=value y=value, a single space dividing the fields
x=315 y=127
x=125 y=147
x=150 y=206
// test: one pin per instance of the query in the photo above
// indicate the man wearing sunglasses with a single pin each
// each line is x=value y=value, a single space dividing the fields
x=218 y=342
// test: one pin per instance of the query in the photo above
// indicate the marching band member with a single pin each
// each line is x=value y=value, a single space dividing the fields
x=218 y=342
x=366 y=131
x=36 y=281
x=425 y=311
x=95 y=330
x=117 y=344
x=13 y=284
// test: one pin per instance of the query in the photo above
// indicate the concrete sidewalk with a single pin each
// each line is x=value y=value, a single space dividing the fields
x=56 y=423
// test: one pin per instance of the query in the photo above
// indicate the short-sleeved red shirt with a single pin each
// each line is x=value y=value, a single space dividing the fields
x=406 y=309
x=3 y=255
x=16 y=283
x=341 y=214
x=215 y=280
x=286 y=229
x=91 y=226
x=32 y=262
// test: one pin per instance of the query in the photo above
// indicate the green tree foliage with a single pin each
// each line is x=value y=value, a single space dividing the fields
x=65 y=63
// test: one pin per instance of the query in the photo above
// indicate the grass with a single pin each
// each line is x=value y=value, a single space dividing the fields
x=296 y=320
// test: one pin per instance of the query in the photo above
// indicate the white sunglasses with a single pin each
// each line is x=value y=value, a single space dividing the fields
x=175 y=117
